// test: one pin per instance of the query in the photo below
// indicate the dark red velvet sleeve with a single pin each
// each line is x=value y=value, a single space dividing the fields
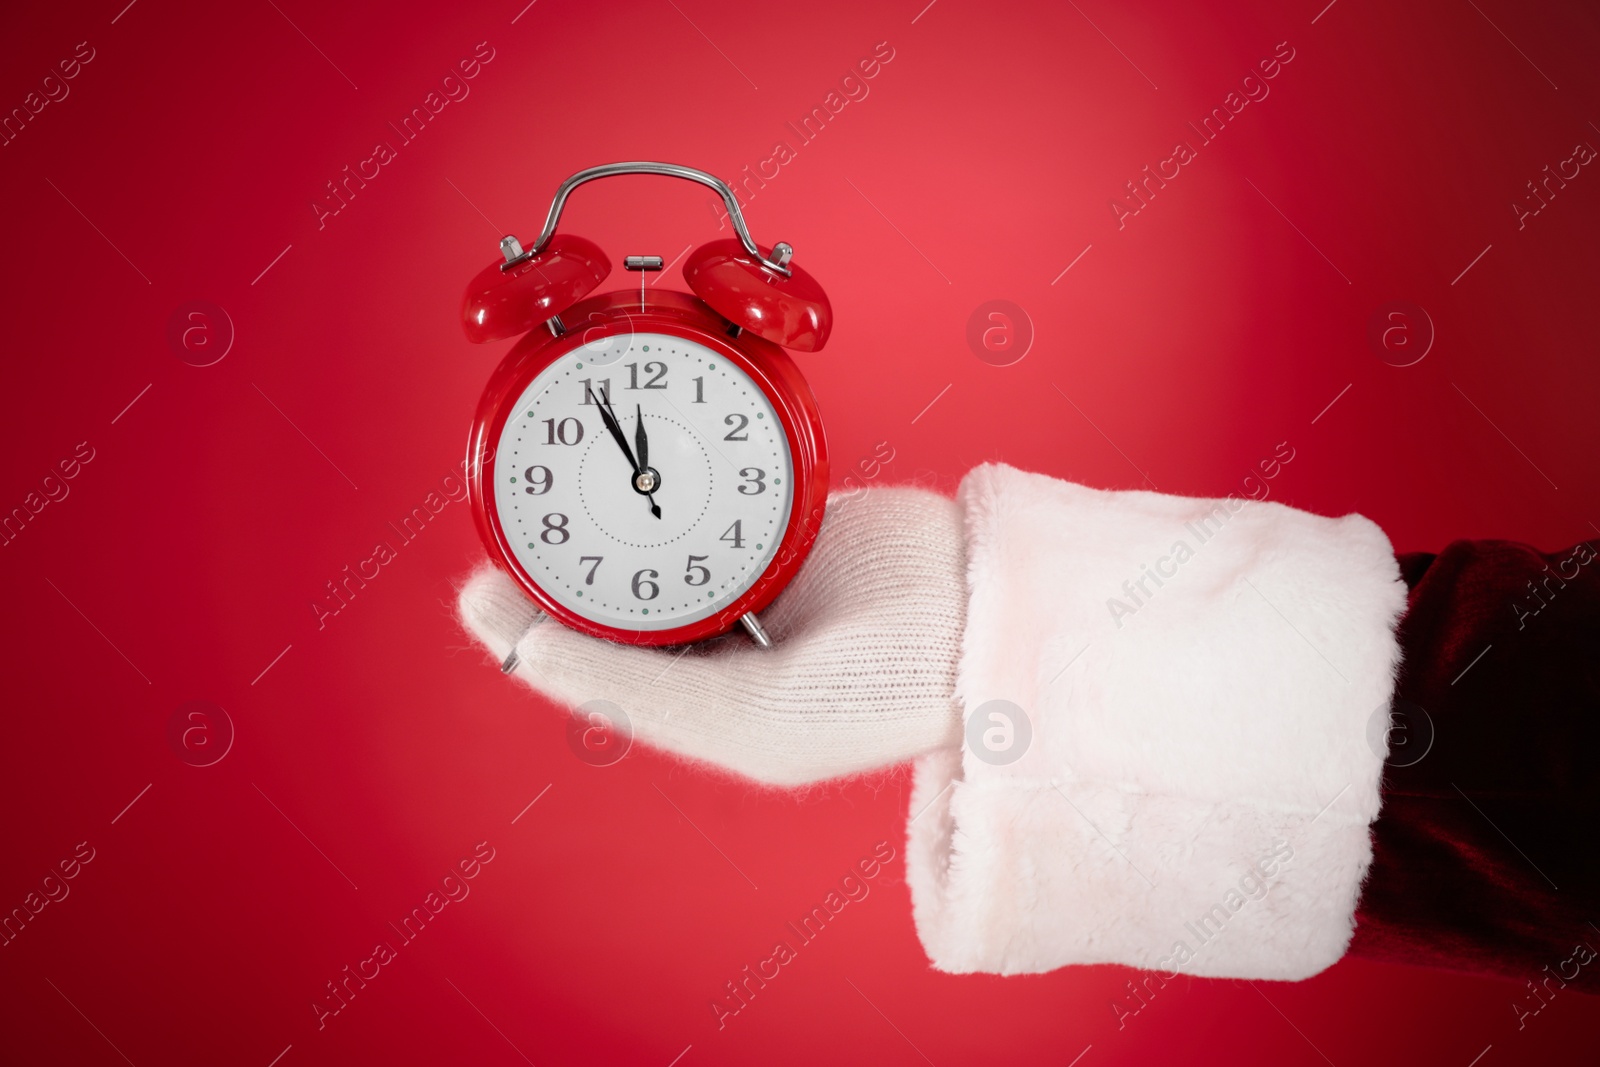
x=1487 y=853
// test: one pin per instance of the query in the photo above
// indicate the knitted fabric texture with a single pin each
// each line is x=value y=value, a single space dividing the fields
x=861 y=674
x=1197 y=791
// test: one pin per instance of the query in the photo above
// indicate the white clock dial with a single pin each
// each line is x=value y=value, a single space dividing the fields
x=569 y=495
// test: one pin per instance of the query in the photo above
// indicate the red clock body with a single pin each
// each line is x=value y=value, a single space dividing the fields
x=597 y=323
x=687 y=515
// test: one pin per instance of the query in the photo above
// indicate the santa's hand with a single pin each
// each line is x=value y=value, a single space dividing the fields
x=860 y=675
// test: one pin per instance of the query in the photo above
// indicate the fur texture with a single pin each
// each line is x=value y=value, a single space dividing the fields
x=1198 y=788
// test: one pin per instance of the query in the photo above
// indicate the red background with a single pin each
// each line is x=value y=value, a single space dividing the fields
x=1191 y=342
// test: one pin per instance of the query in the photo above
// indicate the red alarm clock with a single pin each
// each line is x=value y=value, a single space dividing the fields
x=648 y=465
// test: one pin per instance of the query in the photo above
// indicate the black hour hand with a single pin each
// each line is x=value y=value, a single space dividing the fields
x=640 y=440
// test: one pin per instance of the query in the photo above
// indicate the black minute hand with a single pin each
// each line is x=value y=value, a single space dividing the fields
x=615 y=430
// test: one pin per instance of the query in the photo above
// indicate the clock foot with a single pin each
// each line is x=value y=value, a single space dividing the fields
x=753 y=626
x=512 y=659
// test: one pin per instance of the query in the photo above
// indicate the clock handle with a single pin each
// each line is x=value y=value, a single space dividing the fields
x=782 y=251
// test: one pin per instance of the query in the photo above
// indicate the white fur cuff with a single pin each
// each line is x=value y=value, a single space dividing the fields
x=1168 y=761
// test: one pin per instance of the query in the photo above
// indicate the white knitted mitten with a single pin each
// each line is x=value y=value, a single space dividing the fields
x=861 y=673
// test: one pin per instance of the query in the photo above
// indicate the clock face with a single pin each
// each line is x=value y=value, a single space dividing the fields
x=653 y=542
